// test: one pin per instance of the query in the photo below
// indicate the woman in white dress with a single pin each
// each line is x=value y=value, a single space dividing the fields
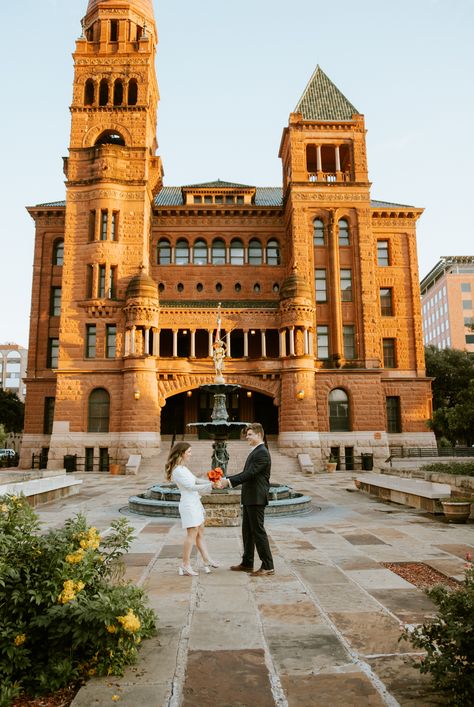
x=191 y=510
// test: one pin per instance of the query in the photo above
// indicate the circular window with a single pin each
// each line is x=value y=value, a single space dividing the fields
x=276 y=287
x=256 y=287
x=199 y=287
x=161 y=287
x=237 y=287
x=218 y=287
x=180 y=287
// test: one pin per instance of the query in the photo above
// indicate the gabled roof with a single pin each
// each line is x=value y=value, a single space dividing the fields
x=264 y=196
x=218 y=184
x=322 y=100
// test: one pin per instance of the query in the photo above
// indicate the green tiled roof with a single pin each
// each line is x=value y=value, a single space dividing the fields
x=322 y=100
x=387 y=204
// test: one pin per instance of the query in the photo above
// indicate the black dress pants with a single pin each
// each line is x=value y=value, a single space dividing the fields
x=255 y=536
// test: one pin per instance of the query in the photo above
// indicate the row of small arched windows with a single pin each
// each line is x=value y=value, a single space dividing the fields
x=320 y=236
x=199 y=253
x=104 y=93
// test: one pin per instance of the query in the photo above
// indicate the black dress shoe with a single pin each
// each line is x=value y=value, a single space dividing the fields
x=241 y=568
x=262 y=573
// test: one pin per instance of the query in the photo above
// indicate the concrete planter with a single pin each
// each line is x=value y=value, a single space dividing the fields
x=114 y=469
x=331 y=466
x=456 y=511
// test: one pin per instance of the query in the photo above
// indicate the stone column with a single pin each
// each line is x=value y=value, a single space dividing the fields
x=319 y=161
x=147 y=341
x=193 y=343
x=132 y=341
x=264 y=343
x=282 y=343
x=292 y=341
x=175 y=343
x=227 y=341
x=306 y=344
x=156 y=342
x=127 y=342
x=338 y=159
x=210 y=333
x=246 y=344
x=310 y=342
x=334 y=293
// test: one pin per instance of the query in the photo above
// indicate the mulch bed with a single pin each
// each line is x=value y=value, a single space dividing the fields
x=61 y=698
x=421 y=575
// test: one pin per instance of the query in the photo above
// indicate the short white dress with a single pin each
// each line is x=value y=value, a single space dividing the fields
x=191 y=510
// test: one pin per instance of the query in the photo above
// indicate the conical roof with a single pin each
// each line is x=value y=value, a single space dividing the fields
x=142 y=285
x=322 y=100
x=295 y=286
x=142 y=7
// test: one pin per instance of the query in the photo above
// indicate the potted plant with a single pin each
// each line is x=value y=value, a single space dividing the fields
x=331 y=463
x=457 y=509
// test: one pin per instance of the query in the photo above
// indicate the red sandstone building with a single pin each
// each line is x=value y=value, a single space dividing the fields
x=318 y=283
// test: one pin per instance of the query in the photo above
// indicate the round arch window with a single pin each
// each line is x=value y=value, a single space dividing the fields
x=339 y=419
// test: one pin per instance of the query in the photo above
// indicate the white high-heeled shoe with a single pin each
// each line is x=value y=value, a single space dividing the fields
x=187 y=571
x=209 y=565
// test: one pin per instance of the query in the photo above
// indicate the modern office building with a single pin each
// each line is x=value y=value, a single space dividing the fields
x=447 y=296
x=13 y=360
x=318 y=283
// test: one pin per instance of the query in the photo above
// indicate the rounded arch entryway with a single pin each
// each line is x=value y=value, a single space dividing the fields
x=195 y=405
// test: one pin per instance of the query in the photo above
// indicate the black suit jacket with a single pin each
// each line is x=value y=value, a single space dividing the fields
x=255 y=478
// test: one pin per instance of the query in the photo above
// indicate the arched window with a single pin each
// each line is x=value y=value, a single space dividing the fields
x=118 y=93
x=103 y=92
x=343 y=228
x=58 y=252
x=200 y=253
x=339 y=420
x=255 y=252
x=318 y=232
x=236 y=252
x=182 y=252
x=110 y=137
x=99 y=411
x=132 y=92
x=163 y=255
x=89 y=93
x=273 y=253
x=218 y=252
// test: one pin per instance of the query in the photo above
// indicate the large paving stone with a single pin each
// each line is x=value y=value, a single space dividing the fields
x=212 y=598
x=356 y=562
x=363 y=539
x=316 y=574
x=337 y=597
x=370 y=633
x=343 y=690
x=459 y=549
x=302 y=612
x=227 y=679
x=404 y=682
x=137 y=559
x=378 y=579
x=410 y=605
x=305 y=649
x=229 y=631
x=97 y=695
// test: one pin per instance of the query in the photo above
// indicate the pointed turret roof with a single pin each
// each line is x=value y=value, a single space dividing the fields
x=322 y=100
x=143 y=7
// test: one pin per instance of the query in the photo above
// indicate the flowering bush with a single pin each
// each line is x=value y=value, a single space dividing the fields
x=65 y=612
x=449 y=640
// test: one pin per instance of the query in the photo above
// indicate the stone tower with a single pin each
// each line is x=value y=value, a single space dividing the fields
x=112 y=177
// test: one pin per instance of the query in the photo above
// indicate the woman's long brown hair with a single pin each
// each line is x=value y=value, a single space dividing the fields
x=174 y=456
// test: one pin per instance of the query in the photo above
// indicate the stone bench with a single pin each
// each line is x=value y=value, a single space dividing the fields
x=43 y=490
x=409 y=492
x=133 y=464
x=306 y=465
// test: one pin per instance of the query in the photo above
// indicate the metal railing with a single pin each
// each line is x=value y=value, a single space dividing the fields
x=73 y=462
x=433 y=452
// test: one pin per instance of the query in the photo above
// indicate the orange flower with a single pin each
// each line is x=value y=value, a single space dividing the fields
x=215 y=474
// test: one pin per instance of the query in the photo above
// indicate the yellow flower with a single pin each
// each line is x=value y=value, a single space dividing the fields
x=70 y=589
x=75 y=557
x=111 y=628
x=91 y=539
x=20 y=639
x=92 y=672
x=130 y=621
x=4 y=508
x=115 y=698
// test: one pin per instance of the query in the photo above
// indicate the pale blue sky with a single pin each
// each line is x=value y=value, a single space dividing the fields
x=229 y=75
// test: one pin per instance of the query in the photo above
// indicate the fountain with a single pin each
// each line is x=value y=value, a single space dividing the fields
x=222 y=507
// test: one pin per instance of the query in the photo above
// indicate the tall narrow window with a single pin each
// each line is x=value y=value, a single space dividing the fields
x=89 y=91
x=200 y=253
x=386 y=302
x=101 y=282
x=255 y=252
x=273 y=252
x=89 y=281
x=321 y=285
x=393 y=414
x=389 y=354
x=114 y=226
x=55 y=303
x=110 y=340
x=104 y=221
x=382 y=253
x=343 y=228
x=318 y=232
x=346 y=285
x=118 y=93
x=163 y=252
x=236 y=252
x=99 y=411
x=91 y=336
x=114 y=27
x=48 y=416
x=103 y=92
x=218 y=252
x=112 y=293
x=58 y=252
x=132 y=92
x=53 y=353
x=322 y=339
x=182 y=252
x=348 y=336
x=92 y=217
x=339 y=420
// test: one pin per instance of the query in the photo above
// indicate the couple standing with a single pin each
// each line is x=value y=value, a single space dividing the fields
x=255 y=482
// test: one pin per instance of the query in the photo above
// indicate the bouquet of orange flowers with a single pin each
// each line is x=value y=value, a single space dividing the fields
x=215 y=474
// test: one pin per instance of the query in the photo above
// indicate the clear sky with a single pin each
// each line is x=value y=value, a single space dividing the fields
x=230 y=73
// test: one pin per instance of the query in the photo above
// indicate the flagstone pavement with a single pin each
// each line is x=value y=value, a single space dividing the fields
x=322 y=631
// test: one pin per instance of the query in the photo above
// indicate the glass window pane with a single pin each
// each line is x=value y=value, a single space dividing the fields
x=320 y=285
x=343 y=232
x=255 y=252
x=389 y=353
x=164 y=253
x=393 y=414
x=237 y=252
x=273 y=253
x=338 y=411
x=318 y=232
x=348 y=335
x=182 y=252
x=346 y=285
x=200 y=253
x=99 y=410
x=322 y=341
x=382 y=253
x=386 y=302
x=218 y=252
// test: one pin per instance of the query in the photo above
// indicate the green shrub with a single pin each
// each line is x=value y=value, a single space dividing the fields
x=65 y=613
x=460 y=468
x=449 y=641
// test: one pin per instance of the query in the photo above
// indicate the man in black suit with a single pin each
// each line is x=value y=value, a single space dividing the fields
x=255 y=480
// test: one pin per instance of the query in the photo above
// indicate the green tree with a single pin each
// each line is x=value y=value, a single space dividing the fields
x=12 y=411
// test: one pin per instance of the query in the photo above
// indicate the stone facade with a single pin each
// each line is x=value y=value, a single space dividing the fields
x=318 y=283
